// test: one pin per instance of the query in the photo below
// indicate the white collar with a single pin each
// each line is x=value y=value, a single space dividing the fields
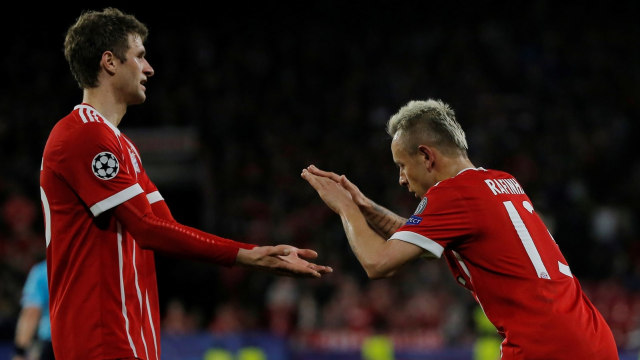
x=89 y=107
x=471 y=168
x=461 y=171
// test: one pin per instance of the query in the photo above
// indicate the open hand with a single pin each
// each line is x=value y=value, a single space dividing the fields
x=283 y=260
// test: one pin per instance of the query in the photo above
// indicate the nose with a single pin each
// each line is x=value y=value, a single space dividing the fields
x=402 y=180
x=147 y=69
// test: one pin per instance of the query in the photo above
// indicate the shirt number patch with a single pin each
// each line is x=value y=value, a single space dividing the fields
x=105 y=166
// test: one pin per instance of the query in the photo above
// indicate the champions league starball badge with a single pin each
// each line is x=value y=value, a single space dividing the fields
x=105 y=166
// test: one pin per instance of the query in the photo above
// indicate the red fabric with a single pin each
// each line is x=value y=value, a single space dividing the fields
x=154 y=233
x=481 y=220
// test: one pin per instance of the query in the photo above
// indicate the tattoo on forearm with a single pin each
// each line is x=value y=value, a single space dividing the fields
x=384 y=221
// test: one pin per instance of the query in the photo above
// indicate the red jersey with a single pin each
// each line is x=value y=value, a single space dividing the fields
x=103 y=289
x=497 y=246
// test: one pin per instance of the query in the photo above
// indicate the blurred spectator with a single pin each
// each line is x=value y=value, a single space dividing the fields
x=33 y=329
x=177 y=321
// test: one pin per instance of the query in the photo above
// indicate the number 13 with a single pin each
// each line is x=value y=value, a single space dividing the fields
x=528 y=243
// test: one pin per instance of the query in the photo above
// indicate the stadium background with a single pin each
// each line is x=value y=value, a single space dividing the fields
x=246 y=95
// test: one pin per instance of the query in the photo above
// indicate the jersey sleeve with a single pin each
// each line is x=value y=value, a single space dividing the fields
x=93 y=163
x=159 y=234
x=35 y=292
x=440 y=220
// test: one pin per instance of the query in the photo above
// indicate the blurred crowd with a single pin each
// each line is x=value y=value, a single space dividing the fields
x=542 y=91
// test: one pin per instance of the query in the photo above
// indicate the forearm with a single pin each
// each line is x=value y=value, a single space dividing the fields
x=174 y=238
x=367 y=245
x=27 y=326
x=382 y=220
x=167 y=236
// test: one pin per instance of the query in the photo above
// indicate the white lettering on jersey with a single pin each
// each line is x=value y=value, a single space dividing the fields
x=504 y=186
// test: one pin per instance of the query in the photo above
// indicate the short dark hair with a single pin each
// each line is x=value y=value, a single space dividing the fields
x=95 y=32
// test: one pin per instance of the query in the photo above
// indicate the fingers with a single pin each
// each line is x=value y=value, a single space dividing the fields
x=331 y=175
x=316 y=181
x=322 y=269
x=281 y=250
x=285 y=250
x=351 y=188
x=284 y=260
x=307 y=253
x=346 y=183
x=311 y=179
x=319 y=269
x=300 y=268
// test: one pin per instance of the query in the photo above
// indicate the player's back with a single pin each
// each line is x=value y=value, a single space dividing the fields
x=519 y=275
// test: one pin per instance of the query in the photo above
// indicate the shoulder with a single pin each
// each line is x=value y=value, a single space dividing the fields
x=84 y=129
x=82 y=124
x=471 y=177
x=37 y=271
x=40 y=268
x=462 y=179
x=468 y=185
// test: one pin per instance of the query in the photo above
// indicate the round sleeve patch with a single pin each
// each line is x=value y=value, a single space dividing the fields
x=105 y=166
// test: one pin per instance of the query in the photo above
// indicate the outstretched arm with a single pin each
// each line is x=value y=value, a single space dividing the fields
x=171 y=237
x=25 y=330
x=384 y=221
x=282 y=260
x=379 y=257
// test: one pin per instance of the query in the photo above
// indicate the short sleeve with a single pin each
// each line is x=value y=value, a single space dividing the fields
x=94 y=164
x=440 y=220
x=35 y=292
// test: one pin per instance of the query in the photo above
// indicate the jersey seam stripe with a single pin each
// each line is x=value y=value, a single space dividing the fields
x=139 y=293
x=135 y=276
x=116 y=199
x=419 y=240
x=462 y=264
x=47 y=218
x=153 y=330
x=144 y=342
x=122 y=294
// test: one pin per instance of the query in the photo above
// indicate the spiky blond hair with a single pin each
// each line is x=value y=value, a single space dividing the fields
x=430 y=122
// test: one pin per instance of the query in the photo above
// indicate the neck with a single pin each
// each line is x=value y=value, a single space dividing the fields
x=452 y=167
x=106 y=104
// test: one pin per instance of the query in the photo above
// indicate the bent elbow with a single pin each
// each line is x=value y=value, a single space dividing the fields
x=379 y=271
x=142 y=232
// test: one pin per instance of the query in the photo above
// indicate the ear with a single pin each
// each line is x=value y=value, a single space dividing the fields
x=108 y=62
x=429 y=155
